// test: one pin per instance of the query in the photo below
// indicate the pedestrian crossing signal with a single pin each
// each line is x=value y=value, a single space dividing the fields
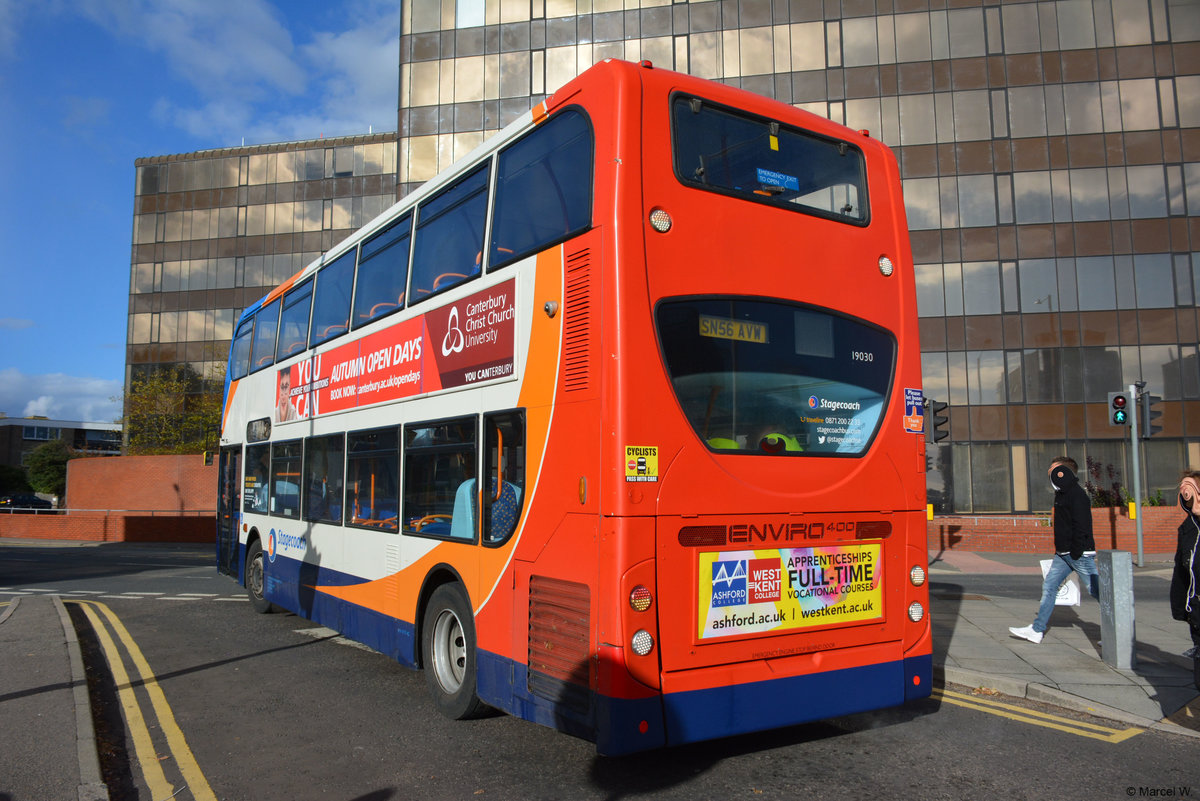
x=1118 y=409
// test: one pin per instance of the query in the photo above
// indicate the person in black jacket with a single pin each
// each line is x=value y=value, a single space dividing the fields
x=1074 y=546
x=1185 y=581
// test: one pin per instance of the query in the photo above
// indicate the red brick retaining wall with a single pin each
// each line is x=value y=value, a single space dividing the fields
x=129 y=499
x=1111 y=527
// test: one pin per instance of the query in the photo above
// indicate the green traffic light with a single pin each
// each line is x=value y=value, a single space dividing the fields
x=1119 y=417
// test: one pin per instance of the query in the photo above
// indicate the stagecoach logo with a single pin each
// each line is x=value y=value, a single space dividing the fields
x=729 y=583
x=813 y=402
x=454 y=341
x=284 y=542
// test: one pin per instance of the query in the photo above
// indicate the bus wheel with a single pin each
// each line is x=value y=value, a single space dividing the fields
x=448 y=651
x=256 y=579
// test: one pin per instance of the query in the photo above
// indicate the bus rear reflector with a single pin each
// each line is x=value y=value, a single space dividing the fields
x=872 y=530
x=702 y=536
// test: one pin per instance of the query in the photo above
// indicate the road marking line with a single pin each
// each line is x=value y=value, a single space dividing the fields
x=1036 y=718
x=143 y=746
x=188 y=767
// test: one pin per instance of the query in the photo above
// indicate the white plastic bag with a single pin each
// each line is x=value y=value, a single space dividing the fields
x=1068 y=591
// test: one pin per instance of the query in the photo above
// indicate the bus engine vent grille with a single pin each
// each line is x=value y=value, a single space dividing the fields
x=578 y=322
x=560 y=664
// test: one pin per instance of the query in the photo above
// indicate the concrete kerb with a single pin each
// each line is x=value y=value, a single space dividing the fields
x=91 y=782
x=1052 y=696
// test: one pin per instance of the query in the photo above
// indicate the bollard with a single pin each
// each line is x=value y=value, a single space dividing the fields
x=1116 y=609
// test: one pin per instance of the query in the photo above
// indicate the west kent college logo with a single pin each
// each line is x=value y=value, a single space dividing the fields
x=729 y=583
x=454 y=341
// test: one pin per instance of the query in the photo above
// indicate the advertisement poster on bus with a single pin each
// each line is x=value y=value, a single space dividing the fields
x=470 y=340
x=776 y=590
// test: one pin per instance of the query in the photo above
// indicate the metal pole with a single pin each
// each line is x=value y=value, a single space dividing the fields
x=1137 y=471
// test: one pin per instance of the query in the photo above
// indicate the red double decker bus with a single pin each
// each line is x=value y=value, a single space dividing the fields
x=616 y=426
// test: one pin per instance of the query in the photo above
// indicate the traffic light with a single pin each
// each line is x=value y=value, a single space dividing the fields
x=1118 y=409
x=1150 y=415
x=937 y=419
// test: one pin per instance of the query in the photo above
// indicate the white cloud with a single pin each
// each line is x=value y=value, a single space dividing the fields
x=259 y=80
x=14 y=323
x=223 y=47
x=59 y=396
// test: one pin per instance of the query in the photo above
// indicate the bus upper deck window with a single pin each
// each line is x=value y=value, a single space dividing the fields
x=448 y=244
x=239 y=355
x=331 y=301
x=266 y=322
x=382 y=272
x=293 y=321
x=735 y=153
x=543 y=188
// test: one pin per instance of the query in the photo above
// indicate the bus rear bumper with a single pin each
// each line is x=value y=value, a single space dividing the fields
x=698 y=715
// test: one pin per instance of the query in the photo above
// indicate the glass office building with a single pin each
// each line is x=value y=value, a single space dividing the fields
x=1050 y=153
x=214 y=231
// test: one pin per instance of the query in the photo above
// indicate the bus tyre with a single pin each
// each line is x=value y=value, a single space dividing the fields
x=256 y=579
x=448 y=651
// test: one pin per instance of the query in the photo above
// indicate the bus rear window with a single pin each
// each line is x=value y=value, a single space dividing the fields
x=776 y=379
x=758 y=159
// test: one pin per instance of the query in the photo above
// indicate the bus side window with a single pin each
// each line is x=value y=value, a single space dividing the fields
x=504 y=468
x=543 y=188
x=293 y=321
x=323 y=466
x=266 y=322
x=382 y=273
x=239 y=355
x=449 y=238
x=258 y=477
x=372 y=489
x=439 y=479
x=331 y=301
x=285 y=478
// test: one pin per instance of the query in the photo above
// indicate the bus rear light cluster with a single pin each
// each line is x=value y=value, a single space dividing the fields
x=916 y=612
x=640 y=598
x=660 y=221
x=642 y=643
x=885 y=266
x=917 y=575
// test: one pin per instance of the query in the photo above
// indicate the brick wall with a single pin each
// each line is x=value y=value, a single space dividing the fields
x=142 y=483
x=129 y=499
x=1111 y=527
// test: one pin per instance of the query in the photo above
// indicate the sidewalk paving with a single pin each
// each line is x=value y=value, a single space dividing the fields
x=48 y=747
x=972 y=647
x=47 y=744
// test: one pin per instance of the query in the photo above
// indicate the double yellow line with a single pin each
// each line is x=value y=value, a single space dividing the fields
x=147 y=754
x=1035 y=718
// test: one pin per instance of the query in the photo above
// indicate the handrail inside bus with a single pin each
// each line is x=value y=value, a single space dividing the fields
x=499 y=463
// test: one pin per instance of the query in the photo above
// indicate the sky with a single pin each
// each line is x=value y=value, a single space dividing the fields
x=87 y=87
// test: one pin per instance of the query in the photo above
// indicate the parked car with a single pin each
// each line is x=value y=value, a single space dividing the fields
x=23 y=503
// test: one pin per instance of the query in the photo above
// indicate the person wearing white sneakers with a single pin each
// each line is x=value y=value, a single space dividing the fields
x=1074 y=546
